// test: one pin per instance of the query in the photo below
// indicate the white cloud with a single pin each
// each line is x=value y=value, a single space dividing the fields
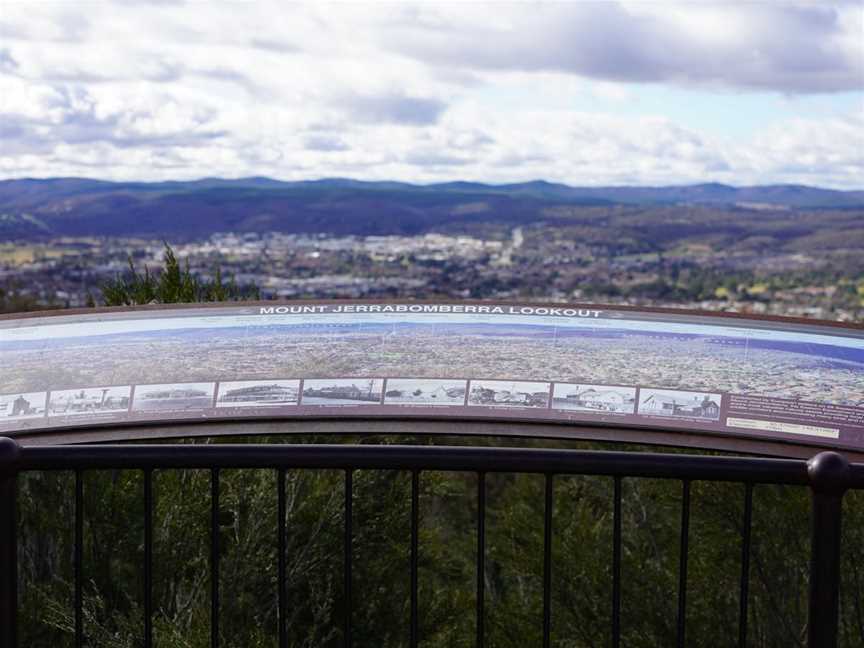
x=422 y=92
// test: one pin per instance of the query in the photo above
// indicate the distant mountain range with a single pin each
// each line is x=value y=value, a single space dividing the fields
x=38 y=208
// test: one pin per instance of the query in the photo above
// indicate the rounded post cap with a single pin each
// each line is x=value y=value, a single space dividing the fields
x=9 y=452
x=828 y=472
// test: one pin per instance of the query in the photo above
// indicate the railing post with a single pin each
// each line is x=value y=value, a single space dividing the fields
x=9 y=452
x=828 y=473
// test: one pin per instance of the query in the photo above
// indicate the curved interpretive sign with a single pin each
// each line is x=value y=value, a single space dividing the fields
x=715 y=376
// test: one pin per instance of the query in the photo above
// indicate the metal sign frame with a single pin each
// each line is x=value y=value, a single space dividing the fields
x=493 y=417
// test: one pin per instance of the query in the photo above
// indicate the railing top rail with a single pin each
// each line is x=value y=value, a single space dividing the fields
x=401 y=457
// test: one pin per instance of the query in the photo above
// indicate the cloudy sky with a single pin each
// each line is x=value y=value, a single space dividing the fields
x=585 y=93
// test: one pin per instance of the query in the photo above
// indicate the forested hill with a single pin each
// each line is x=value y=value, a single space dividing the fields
x=38 y=208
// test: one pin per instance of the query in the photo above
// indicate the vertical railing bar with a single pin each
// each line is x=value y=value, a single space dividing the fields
x=828 y=473
x=214 y=557
x=281 y=530
x=616 y=565
x=9 y=452
x=547 y=563
x=744 y=595
x=415 y=530
x=79 y=559
x=148 y=558
x=349 y=532
x=481 y=559
x=682 y=565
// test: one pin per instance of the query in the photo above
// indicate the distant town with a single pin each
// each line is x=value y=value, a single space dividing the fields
x=783 y=249
x=528 y=263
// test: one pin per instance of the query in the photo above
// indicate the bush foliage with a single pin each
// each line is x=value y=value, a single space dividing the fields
x=314 y=523
x=173 y=284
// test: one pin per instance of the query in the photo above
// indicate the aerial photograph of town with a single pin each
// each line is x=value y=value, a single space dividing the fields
x=807 y=367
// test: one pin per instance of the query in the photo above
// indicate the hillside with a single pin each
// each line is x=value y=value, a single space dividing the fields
x=33 y=209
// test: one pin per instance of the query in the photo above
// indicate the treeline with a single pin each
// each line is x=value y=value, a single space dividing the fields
x=687 y=282
x=14 y=300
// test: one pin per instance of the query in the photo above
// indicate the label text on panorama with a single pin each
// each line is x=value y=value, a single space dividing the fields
x=431 y=308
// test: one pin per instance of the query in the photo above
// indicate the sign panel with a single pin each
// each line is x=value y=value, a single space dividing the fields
x=785 y=380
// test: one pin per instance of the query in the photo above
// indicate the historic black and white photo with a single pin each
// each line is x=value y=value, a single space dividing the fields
x=342 y=391
x=22 y=406
x=509 y=393
x=594 y=398
x=258 y=393
x=173 y=397
x=425 y=391
x=90 y=400
x=685 y=404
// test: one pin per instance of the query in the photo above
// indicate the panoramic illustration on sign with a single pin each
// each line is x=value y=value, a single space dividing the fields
x=787 y=380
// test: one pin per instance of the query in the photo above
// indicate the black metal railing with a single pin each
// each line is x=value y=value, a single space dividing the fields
x=828 y=475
